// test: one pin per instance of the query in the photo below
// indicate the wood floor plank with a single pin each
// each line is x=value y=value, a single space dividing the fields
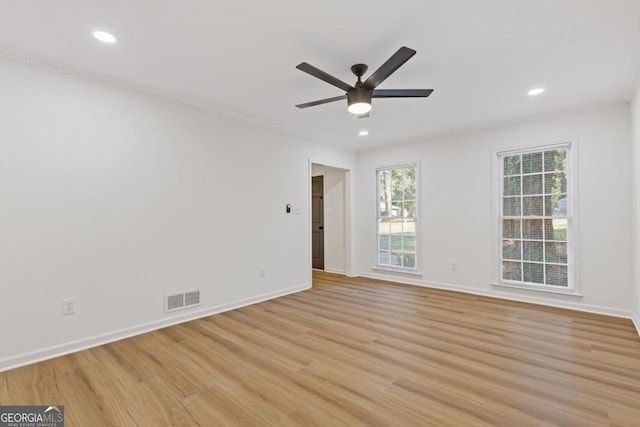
x=354 y=352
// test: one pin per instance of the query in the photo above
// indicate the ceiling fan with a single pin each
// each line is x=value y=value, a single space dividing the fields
x=359 y=95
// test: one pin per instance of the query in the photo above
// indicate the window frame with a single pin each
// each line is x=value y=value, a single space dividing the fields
x=573 y=284
x=398 y=269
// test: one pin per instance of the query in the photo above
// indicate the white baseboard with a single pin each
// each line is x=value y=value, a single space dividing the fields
x=334 y=271
x=559 y=303
x=97 y=340
x=636 y=314
x=636 y=321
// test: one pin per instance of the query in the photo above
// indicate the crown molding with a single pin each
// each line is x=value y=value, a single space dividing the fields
x=499 y=124
x=105 y=80
x=81 y=74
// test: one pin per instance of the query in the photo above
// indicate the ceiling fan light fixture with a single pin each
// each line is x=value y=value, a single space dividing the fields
x=359 y=108
x=359 y=101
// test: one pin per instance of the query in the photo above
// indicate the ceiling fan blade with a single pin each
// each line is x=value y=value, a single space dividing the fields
x=316 y=72
x=397 y=59
x=322 y=101
x=401 y=93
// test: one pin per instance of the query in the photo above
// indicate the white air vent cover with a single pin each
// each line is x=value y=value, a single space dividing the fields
x=191 y=298
x=175 y=302
x=181 y=301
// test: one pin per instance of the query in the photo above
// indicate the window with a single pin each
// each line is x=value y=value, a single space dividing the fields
x=535 y=217
x=397 y=209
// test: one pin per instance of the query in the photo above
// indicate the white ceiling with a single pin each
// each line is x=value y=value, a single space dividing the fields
x=481 y=57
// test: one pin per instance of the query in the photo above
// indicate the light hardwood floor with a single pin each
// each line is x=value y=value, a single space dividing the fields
x=354 y=352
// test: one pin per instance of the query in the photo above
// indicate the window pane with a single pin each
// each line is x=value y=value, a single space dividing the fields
x=409 y=243
x=532 y=206
x=384 y=182
x=395 y=259
x=555 y=160
x=555 y=229
x=410 y=184
x=383 y=258
x=557 y=275
x=533 y=273
x=512 y=165
x=511 y=206
x=555 y=205
x=512 y=270
x=556 y=252
x=532 y=229
x=409 y=209
x=532 y=184
x=532 y=251
x=511 y=249
x=383 y=242
x=384 y=226
x=384 y=192
x=555 y=183
x=409 y=235
x=532 y=163
x=512 y=186
x=384 y=230
x=382 y=209
x=409 y=260
x=397 y=184
x=395 y=234
x=409 y=226
x=511 y=228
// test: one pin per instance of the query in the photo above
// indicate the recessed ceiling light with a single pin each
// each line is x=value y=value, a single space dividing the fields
x=105 y=37
x=536 y=91
x=363 y=133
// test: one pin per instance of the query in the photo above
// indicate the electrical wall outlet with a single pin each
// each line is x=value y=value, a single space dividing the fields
x=262 y=273
x=68 y=306
x=454 y=266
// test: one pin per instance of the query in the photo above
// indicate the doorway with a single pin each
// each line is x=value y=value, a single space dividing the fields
x=317 y=222
x=329 y=208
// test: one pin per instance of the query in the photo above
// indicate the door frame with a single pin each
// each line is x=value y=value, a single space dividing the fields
x=348 y=209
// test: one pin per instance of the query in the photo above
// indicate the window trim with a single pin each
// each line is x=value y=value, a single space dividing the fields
x=387 y=268
x=574 y=288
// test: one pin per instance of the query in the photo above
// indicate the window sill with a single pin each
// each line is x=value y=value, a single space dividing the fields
x=397 y=270
x=569 y=292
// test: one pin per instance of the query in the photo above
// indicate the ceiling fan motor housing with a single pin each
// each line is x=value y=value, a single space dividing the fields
x=359 y=95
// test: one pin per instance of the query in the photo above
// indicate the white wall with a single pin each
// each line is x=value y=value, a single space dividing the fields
x=456 y=207
x=116 y=199
x=635 y=143
x=334 y=217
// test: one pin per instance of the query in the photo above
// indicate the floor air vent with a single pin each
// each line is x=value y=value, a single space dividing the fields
x=181 y=301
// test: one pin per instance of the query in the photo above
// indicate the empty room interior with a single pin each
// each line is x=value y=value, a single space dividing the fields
x=414 y=213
